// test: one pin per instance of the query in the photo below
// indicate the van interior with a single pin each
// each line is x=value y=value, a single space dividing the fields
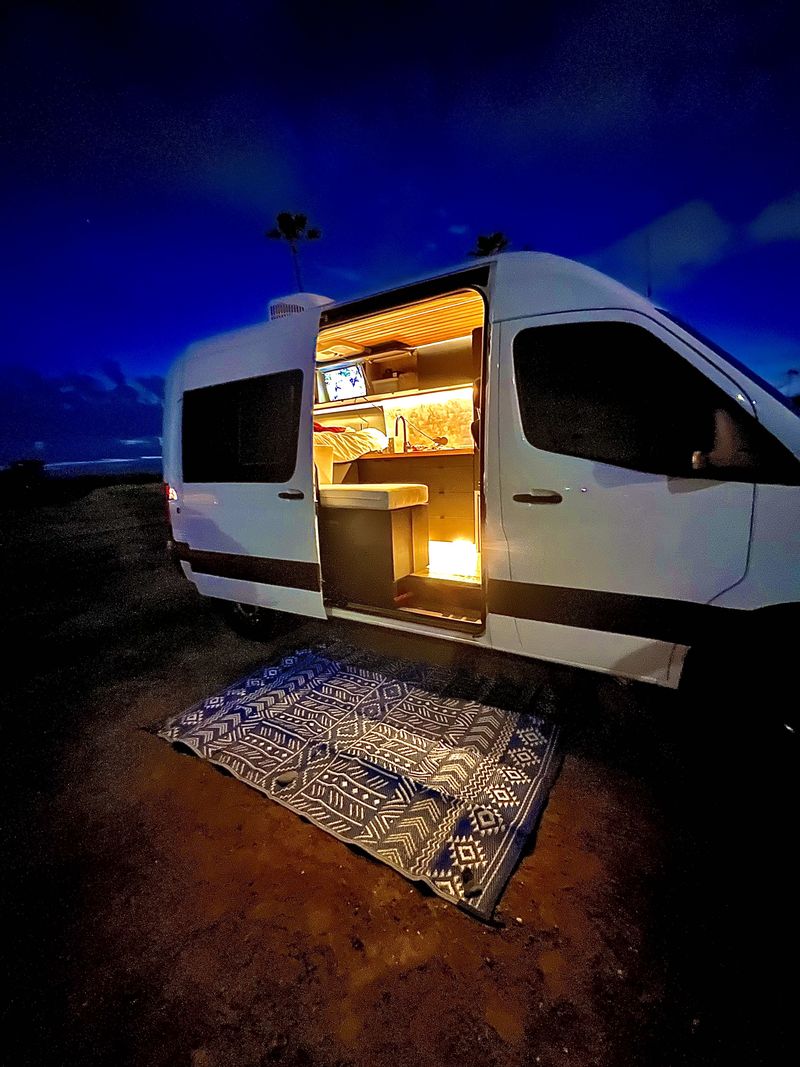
x=397 y=461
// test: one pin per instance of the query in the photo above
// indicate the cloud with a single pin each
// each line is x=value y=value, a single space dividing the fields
x=791 y=384
x=113 y=372
x=779 y=221
x=668 y=251
x=458 y=230
x=78 y=416
x=344 y=273
x=150 y=388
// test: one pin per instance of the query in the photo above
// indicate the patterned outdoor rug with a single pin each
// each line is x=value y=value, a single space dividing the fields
x=391 y=757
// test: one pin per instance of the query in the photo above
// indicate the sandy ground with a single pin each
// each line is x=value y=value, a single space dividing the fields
x=161 y=913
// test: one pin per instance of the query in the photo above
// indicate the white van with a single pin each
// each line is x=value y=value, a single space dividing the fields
x=520 y=454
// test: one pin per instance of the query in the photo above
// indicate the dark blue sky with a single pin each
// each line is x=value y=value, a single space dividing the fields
x=149 y=145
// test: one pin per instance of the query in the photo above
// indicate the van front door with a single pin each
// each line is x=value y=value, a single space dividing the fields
x=618 y=530
x=247 y=527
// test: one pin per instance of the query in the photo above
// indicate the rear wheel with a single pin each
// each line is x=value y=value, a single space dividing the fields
x=254 y=622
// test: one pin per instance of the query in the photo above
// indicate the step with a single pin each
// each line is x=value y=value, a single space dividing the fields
x=451 y=595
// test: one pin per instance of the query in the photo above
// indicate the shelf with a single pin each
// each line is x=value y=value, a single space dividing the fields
x=379 y=399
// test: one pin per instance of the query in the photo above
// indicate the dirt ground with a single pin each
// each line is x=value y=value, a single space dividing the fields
x=163 y=914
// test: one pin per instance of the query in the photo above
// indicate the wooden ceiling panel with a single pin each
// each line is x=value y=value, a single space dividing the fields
x=439 y=319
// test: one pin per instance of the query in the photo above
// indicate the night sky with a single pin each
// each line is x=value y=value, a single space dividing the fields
x=149 y=145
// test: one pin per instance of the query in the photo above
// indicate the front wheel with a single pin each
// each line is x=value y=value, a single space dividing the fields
x=249 y=620
x=737 y=683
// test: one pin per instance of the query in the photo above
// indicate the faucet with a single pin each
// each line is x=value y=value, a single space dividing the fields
x=401 y=418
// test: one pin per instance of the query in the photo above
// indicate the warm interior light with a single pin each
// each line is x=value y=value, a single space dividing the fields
x=440 y=318
x=453 y=559
x=441 y=396
x=444 y=414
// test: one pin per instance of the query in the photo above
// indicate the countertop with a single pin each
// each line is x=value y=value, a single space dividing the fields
x=412 y=455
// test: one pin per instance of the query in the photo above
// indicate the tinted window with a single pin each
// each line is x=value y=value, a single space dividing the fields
x=614 y=393
x=243 y=431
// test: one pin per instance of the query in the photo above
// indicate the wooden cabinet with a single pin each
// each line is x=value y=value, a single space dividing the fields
x=364 y=553
x=449 y=478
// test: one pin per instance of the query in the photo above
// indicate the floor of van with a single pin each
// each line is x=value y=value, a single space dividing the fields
x=465 y=622
x=454 y=603
x=458 y=596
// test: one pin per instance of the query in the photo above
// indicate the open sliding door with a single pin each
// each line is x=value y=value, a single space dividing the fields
x=246 y=527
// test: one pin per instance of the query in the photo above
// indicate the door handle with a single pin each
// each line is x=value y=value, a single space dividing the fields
x=291 y=494
x=539 y=496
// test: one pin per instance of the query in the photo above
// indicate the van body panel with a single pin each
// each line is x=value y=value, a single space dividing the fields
x=171 y=435
x=528 y=284
x=273 y=597
x=610 y=653
x=494 y=546
x=773 y=571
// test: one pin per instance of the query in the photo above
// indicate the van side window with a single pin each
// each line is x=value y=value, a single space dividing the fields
x=244 y=431
x=614 y=393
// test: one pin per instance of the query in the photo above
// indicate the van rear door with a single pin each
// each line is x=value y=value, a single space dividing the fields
x=247 y=521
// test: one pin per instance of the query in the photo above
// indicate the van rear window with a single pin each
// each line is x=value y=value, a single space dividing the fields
x=244 y=431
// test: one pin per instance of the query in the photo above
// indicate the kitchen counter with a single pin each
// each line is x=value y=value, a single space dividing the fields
x=427 y=453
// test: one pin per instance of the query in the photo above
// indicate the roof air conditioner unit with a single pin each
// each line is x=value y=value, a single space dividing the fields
x=295 y=304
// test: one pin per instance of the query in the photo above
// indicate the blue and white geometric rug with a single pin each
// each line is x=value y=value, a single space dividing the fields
x=390 y=757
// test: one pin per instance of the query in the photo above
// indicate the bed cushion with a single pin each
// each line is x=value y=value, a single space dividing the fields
x=380 y=497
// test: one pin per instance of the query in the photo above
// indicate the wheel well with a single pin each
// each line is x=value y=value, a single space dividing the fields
x=748 y=641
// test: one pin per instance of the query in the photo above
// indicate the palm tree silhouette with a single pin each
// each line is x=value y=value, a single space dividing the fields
x=490 y=244
x=293 y=229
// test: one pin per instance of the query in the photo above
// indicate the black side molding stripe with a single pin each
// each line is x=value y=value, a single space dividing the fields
x=286 y=572
x=640 y=616
x=623 y=613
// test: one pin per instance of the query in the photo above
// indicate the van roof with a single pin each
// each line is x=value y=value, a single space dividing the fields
x=549 y=282
x=520 y=283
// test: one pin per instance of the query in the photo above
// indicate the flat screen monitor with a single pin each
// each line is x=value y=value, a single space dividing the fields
x=345 y=383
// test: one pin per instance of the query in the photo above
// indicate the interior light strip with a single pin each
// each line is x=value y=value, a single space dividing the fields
x=458 y=392
x=441 y=396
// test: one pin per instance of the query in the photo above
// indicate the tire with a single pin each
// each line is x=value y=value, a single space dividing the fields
x=255 y=623
x=732 y=772
x=742 y=681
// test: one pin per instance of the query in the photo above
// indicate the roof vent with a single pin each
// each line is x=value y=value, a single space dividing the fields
x=294 y=304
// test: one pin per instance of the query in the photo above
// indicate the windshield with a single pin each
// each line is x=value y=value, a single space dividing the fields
x=748 y=371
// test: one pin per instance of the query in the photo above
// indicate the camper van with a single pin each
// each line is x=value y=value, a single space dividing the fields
x=519 y=454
